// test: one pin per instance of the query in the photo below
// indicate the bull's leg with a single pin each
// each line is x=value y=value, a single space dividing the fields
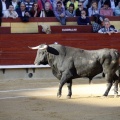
x=116 y=88
x=109 y=85
x=116 y=79
x=69 y=85
x=109 y=78
x=65 y=77
x=59 y=93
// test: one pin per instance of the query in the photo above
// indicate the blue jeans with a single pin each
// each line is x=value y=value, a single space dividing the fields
x=62 y=20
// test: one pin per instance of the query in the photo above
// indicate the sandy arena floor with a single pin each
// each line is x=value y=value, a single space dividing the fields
x=36 y=100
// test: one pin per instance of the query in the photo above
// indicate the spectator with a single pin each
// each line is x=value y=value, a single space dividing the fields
x=98 y=23
x=75 y=2
x=70 y=12
x=79 y=9
x=30 y=0
x=117 y=10
x=60 y=13
x=48 y=11
x=14 y=3
x=112 y=3
x=10 y=12
x=34 y=12
x=83 y=19
x=1 y=12
x=23 y=13
x=107 y=28
x=106 y=10
x=41 y=4
x=93 y=9
x=54 y=3
x=87 y=3
x=5 y=5
x=28 y=4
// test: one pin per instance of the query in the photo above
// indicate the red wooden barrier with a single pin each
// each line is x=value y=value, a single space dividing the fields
x=14 y=47
x=5 y=30
x=69 y=29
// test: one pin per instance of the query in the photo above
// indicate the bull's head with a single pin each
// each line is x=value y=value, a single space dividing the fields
x=41 y=57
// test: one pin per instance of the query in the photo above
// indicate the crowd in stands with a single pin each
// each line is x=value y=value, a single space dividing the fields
x=61 y=9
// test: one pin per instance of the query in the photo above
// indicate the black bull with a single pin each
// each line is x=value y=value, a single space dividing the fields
x=68 y=63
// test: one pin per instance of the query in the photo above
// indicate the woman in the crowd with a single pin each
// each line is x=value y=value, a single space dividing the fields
x=34 y=12
x=70 y=12
x=75 y=2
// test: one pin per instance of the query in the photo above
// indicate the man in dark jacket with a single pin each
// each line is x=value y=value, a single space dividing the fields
x=80 y=8
x=48 y=11
x=23 y=13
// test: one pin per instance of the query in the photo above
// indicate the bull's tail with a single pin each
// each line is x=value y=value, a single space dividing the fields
x=90 y=79
x=117 y=53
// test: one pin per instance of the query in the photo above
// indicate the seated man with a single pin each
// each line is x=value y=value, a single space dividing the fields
x=41 y=4
x=23 y=13
x=4 y=5
x=107 y=28
x=80 y=8
x=83 y=19
x=106 y=10
x=10 y=12
x=48 y=11
x=60 y=13
x=117 y=10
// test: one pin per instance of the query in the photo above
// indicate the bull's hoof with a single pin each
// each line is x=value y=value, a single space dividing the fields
x=116 y=96
x=68 y=97
x=58 y=95
x=103 y=96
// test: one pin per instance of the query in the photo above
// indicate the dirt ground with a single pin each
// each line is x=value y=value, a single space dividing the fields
x=36 y=100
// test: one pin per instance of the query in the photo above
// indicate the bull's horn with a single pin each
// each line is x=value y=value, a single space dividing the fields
x=37 y=47
x=44 y=47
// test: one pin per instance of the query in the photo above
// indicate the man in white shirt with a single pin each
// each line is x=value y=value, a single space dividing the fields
x=107 y=28
x=14 y=3
x=5 y=5
x=10 y=13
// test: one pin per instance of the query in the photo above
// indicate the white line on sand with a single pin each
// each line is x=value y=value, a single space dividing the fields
x=32 y=89
x=15 y=97
x=19 y=90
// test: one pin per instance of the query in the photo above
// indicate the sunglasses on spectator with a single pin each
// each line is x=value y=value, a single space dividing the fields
x=79 y=5
x=82 y=13
x=58 y=5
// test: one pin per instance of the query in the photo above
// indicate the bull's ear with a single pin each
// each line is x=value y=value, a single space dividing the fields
x=52 y=50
